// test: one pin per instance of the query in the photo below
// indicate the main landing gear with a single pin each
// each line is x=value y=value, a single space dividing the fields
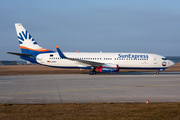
x=157 y=72
x=92 y=72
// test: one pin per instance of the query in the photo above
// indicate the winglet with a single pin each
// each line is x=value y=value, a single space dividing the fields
x=60 y=52
x=57 y=47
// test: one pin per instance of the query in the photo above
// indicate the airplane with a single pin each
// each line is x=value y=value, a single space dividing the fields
x=102 y=62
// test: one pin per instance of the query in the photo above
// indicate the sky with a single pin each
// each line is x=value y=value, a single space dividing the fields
x=146 y=26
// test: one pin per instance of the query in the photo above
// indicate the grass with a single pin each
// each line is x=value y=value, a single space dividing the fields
x=98 y=111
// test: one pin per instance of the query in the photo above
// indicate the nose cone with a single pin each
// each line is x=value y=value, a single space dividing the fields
x=171 y=63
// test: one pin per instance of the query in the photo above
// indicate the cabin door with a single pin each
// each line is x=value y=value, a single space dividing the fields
x=155 y=60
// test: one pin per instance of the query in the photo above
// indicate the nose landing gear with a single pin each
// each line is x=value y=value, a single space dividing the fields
x=157 y=72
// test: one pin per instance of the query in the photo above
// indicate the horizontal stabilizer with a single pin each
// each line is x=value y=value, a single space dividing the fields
x=20 y=54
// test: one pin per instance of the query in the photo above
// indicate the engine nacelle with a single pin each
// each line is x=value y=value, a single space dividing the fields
x=108 y=68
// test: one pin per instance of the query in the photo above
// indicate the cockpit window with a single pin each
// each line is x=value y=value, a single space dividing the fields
x=164 y=58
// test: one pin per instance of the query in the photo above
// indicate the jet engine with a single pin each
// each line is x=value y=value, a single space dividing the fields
x=108 y=68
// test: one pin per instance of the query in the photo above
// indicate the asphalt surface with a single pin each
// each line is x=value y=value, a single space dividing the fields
x=134 y=87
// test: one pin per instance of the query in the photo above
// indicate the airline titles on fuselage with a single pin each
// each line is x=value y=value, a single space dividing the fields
x=133 y=56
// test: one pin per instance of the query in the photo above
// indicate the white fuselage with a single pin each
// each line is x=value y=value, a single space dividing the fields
x=123 y=60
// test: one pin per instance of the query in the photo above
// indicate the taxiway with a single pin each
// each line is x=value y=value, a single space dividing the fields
x=134 y=87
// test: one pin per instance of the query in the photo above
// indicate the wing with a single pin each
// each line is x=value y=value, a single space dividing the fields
x=92 y=63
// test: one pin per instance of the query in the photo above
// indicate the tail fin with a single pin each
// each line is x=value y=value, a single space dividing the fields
x=27 y=43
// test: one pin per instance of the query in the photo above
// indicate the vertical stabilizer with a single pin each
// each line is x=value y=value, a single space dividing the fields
x=26 y=41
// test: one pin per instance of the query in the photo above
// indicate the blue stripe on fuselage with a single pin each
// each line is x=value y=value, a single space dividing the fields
x=149 y=68
x=69 y=67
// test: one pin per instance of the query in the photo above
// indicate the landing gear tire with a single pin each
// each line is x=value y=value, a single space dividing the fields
x=157 y=73
x=91 y=73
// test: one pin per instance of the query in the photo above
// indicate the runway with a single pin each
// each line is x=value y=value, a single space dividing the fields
x=134 y=87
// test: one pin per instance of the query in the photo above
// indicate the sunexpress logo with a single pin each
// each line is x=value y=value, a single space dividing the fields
x=23 y=37
x=133 y=56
